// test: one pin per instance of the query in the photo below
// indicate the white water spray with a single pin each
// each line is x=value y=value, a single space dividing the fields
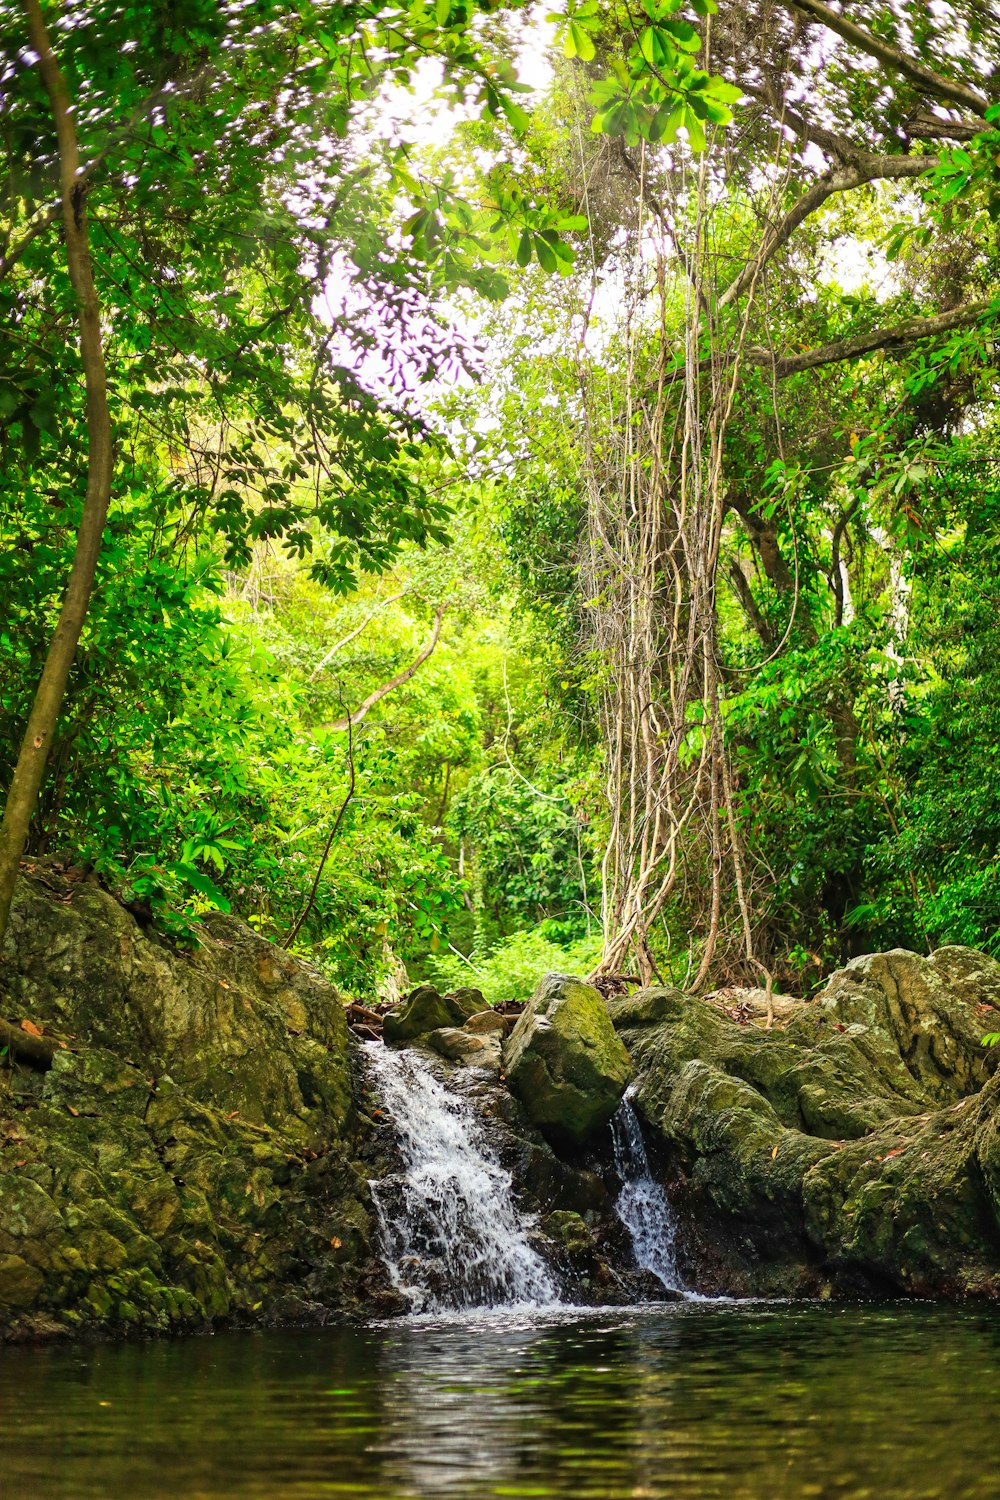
x=642 y=1205
x=452 y=1235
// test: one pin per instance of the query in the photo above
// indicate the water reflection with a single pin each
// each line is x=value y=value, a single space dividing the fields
x=695 y=1402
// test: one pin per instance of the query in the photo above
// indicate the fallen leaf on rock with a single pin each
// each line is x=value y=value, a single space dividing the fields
x=74 y=1112
x=30 y=1028
x=233 y=1114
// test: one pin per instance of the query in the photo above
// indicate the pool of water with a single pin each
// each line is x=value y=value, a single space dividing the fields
x=695 y=1401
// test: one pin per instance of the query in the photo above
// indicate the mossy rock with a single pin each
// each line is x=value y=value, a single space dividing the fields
x=426 y=1010
x=855 y=1146
x=646 y=1007
x=565 y=1061
x=183 y=1159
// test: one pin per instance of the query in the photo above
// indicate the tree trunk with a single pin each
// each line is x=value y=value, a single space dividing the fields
x=30 y=768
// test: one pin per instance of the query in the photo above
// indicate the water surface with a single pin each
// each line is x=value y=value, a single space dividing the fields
x=696 y=1401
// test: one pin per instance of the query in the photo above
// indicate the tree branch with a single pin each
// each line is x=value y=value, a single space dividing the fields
x=25 y=784
x=840 y=179
x=898 y=336
x=930 y=128
x=400 y=678
x=890 y=56
x=744 y=593
x=830 y=141
x=22 y=1046
x=347 y=639
x=348 y=796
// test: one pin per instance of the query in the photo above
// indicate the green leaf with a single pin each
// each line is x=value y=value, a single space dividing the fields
x=546 y=257
x=524 y=249
x=657 y=48
x=684 y=35
x=666 y=122
x=696 y=134
x=518 y=117
x=576 y=43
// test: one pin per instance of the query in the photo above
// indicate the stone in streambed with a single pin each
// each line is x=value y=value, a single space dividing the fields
x=462 y=1047
x=428 y=1010
x=564 y=1060
x=485 y=1021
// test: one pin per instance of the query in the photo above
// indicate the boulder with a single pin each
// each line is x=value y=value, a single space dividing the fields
x=193 y=1154
x=646 y=1007
x=465 y=1048
x=853 y=1149
x=427 y=1010
x=470 y=1000
x=565 y=1061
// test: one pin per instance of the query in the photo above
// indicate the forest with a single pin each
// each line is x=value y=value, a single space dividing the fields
x=499 y=788
x=466 y=526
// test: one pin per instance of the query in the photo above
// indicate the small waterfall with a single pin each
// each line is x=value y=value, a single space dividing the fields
x=452 y=1235
x=642 y=1205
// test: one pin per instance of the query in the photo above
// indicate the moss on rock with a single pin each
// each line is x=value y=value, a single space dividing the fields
x=427 y=1010
x=565 y=1061
x=194 y=1153
x=855 y=1144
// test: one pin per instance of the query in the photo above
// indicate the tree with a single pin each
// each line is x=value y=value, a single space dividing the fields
x=209 y=188
x=746 y=435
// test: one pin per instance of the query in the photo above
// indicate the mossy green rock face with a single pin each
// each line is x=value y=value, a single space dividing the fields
x=565 y=1061
x=853 y=1147
x=646 y=1007
x=427 y=1010
x=194 y=1153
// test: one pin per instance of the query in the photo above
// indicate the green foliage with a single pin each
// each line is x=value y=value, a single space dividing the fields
x=510 y=969
x=530 y=863
x=654 y=90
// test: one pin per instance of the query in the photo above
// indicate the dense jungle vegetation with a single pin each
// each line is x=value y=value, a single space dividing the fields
x=467 y=526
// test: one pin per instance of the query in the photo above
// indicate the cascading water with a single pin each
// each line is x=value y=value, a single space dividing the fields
x=642 y=1205
x=452 y=1235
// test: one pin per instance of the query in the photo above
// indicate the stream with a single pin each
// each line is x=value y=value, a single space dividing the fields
x=690 y=1401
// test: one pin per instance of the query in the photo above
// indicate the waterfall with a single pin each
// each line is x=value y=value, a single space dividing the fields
x=452 y=1235
x=642 y=1205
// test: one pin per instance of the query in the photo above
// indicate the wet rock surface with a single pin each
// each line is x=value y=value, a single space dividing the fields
x=194 y=1154
x=853 y=1147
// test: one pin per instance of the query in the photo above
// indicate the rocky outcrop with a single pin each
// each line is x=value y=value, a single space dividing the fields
x=426 y=1010
x=194 y=1152
x=853 y=1146
x=565 y=1062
